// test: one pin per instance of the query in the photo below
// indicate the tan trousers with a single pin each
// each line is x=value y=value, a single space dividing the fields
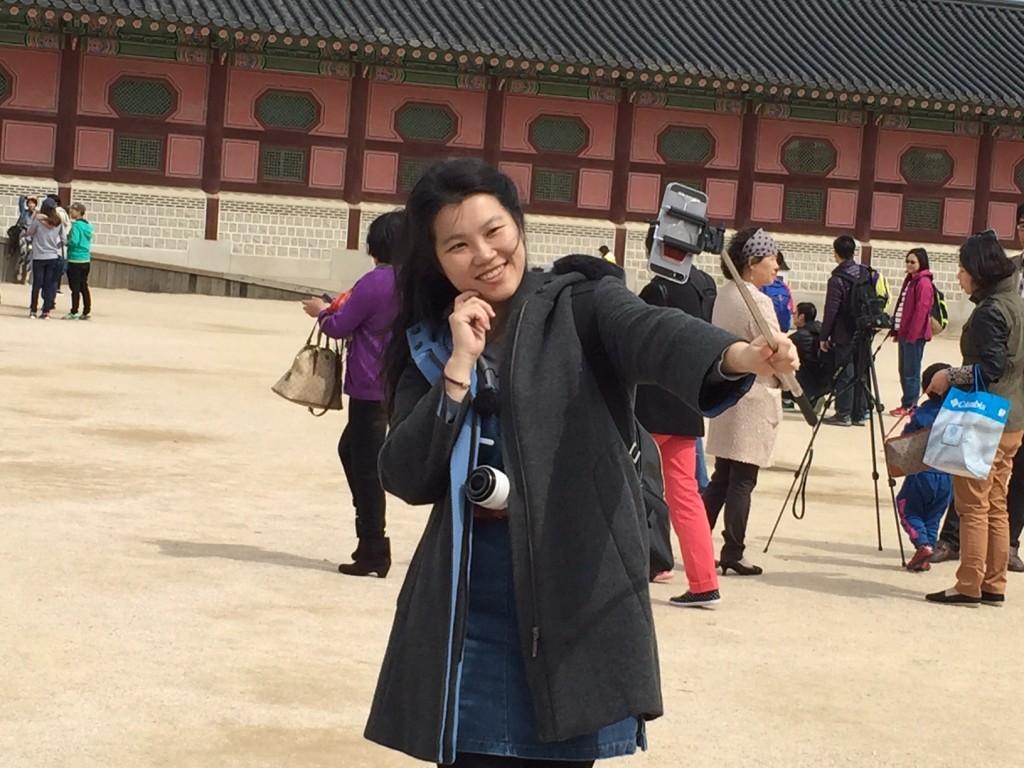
x=985 y=524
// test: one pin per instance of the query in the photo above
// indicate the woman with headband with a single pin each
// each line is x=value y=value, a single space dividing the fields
x=742 y=439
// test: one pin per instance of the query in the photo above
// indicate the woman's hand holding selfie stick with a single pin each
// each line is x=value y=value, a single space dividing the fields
x=781 y=348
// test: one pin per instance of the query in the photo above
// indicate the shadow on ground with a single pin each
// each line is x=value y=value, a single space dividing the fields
x=245 y=553
x=838 y=584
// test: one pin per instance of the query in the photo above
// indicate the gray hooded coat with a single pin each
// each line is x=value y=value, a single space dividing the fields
x=576 y=516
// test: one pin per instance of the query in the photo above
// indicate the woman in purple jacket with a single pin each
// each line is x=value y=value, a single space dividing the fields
x=365 y=319
x=912 y=326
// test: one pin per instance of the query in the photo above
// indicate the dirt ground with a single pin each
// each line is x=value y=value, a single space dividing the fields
x=168 y=595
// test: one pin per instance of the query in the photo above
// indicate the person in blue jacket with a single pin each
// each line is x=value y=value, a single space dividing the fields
x=924 y=496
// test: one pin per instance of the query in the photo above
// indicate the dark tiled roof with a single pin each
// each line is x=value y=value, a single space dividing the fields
x=969 y=51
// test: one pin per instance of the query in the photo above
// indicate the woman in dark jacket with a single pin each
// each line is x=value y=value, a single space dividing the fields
x=524 y=630
x=992 y=345
x=912 y=326
x=364 y=316
x=676 y=428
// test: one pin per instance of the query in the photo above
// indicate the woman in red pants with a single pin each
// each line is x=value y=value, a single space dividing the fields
x=676 y=427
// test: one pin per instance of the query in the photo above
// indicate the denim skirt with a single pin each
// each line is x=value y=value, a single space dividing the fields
x=495 y=713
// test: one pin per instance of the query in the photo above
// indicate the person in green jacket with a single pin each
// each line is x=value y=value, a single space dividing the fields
x=79 y=247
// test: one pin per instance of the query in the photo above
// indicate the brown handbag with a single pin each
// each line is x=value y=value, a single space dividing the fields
x=904 y=454
x=315 y=378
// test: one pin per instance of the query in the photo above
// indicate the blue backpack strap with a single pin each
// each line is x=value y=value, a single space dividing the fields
x=430 y=351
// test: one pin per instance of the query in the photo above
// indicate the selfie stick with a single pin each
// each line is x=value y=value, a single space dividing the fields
x=788 y=379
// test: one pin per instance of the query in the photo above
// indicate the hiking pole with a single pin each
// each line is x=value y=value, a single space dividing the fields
x=788 y=379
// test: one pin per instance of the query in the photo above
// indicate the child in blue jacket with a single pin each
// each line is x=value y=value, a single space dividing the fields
x=924 y=496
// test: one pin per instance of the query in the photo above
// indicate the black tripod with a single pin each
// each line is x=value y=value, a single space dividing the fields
x=865 y=384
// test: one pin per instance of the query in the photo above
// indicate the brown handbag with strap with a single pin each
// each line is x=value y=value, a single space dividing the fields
x=315 y=378
x=904 y=454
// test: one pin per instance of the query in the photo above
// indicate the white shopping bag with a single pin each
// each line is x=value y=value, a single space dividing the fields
x=966 y=433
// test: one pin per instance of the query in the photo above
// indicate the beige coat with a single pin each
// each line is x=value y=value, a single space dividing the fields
x=747 y=431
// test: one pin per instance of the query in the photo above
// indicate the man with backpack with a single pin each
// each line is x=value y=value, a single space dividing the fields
x=855 y=304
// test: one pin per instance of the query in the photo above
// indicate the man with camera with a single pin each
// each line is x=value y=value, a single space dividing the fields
x=844 y=333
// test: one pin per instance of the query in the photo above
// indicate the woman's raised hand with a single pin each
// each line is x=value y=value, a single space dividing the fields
x=470 y=322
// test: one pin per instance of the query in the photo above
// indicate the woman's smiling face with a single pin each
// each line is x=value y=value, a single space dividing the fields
x=480 y=248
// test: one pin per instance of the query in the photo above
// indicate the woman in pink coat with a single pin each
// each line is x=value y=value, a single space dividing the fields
x=912 y=326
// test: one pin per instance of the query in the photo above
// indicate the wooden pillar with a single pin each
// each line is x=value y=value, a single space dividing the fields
x=748 y=161
x=620 y=173
x=67 y=109
x=866 y=187
x=357 y=116
x=213 y=143
x=983 y=186
x=493 y=118
x=355 y=216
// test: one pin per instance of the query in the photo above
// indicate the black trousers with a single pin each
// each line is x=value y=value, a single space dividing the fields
x=358 y=449
x=467 y=760
x=951 y=528
x=1015 y=499
x=44 y=279
x=851 y=385
x=732 y=485
x=78 y=281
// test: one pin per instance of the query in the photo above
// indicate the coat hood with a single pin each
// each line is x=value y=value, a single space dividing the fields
x=590 y=267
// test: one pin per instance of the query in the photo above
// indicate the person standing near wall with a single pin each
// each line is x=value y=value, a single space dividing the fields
x=676 y=427
x=79 y=262
x=992 y=345
x=1015 y=500
x=742 y=439
x=47 y=234
x=912 y=326
x=365 y=318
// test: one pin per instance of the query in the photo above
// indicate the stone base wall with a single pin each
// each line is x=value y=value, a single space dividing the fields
x=13 y=187
x=142 y=217
x=548 y=238
x=312 y=232
x=283 y=227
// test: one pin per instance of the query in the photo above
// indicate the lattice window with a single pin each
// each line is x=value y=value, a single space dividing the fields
x=140 y=153
x=5 y=85
x=284 y=164
x=289 y=110
x=692 y=146
x=693 y=184
x=922 y=214
x=567 y=135
x=554 y=186
x=805 y=205
x=409 y=171
x=926 y=166
x=815 y=157
x=1019 y=177
x=143 y=98
x=425 y=122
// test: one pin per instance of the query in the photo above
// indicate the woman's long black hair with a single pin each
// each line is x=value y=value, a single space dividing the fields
x=423 y=290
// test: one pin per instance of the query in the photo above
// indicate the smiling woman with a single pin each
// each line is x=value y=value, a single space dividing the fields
x=524 y=634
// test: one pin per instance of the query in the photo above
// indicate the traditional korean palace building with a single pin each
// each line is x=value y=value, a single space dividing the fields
x=271 y=133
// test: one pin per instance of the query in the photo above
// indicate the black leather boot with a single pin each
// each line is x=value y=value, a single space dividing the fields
x=372 y=556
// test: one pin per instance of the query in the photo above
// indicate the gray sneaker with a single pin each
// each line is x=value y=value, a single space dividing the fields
x=944 y=552
x=1016 y=564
